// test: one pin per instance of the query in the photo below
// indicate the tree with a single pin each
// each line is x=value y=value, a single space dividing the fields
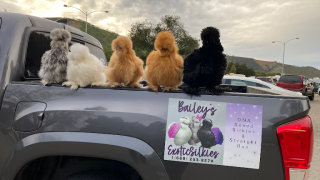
x=242 y=69
x=184 y=40
x=259 y=73
x=143 y=35
x=250 y=72
x=230 y=64
x=108 y=52
x=272 y=74
x=233 y=69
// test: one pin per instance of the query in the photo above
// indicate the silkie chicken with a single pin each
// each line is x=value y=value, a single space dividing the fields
x=124 y=66
x=195 y=125
x=54 y=62
x=164 y=65
x=180 y=132
x=206 y=66
x=83 y=68
x=205 y=134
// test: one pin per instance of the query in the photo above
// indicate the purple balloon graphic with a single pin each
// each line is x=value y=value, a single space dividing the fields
x=218 y=135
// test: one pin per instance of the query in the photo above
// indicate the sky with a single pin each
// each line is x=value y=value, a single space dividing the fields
x=247 y=27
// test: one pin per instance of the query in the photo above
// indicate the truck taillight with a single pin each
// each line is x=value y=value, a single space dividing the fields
x=296 y=143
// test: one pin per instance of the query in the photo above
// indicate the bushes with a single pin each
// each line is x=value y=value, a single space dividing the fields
x=237 y=68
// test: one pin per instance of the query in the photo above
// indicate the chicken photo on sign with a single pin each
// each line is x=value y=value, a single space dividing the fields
x=216 y=133
x=195 y=125
x=195 y=131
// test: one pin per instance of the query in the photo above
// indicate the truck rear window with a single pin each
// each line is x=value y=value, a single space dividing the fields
x=239 y=82
x=290 y=79
x=265 y=79
x=39 y=43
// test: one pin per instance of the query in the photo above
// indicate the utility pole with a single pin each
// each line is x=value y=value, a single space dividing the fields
x=85 y=13
x=284 y=48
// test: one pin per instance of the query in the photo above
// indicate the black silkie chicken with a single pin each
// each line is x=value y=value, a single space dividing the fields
x=205 y=134
x=206 y=66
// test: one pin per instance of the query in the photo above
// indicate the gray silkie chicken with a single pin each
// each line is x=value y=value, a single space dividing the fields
x=54 y=62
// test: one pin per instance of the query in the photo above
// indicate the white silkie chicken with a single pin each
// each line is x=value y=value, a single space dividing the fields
x=83 y=68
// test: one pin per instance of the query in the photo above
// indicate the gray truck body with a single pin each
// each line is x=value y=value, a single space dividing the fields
x=123 y=124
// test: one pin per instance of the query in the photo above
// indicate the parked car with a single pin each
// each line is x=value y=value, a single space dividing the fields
x=54 y=133
x=316 y=88
x=266 y=79
x=297 y=83
x=237 y=75
x=244 y=81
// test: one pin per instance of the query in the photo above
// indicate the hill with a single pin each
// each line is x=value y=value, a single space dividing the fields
x=251 y=63
x=275 y=67
x=104 y=36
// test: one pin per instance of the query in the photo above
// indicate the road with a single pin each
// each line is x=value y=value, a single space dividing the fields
x=315 y=116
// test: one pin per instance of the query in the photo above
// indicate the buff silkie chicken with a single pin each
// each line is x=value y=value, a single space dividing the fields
x=206 y=66
x=164 y=65
x=54 y=62
x=124 y=66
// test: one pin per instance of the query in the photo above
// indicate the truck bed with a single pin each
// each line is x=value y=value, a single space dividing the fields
x=142 y=114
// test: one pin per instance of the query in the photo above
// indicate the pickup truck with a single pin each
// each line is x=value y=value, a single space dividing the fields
x=54 y=133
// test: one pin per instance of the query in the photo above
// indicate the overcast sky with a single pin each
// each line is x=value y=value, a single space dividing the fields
x=247 y=27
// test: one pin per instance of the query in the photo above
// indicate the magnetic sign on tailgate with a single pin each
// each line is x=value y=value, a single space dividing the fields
x=217 y=133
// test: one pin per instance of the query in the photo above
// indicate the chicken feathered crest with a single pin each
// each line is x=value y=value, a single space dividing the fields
x=122 y=45
x=165 y=43
x=164 y=65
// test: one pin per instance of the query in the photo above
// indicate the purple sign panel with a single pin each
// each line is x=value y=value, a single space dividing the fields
x=214 y=133
x=243 y=135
